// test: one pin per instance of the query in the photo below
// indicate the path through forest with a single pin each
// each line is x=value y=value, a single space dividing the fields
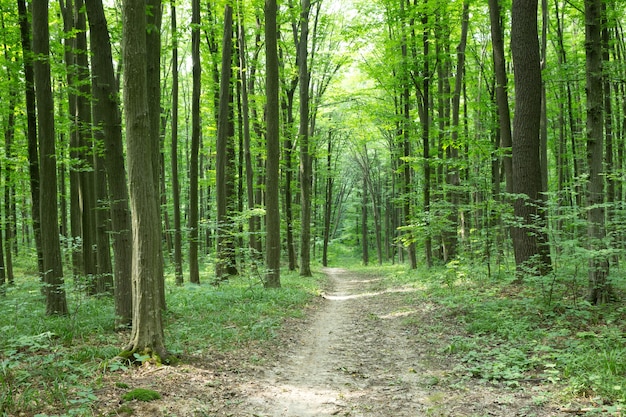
x=366 y=350
x=369 y=351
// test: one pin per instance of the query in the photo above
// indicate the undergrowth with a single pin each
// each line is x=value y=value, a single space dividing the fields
x=538 y=332
x=51 y=366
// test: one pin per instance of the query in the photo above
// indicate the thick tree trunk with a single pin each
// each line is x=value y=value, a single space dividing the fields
x=106 y=115
x=272 y=205
x=56 y=303
x=147 y=330
x=153 y=61
x=530 y=241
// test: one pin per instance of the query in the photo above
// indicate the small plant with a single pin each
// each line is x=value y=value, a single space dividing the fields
x=141 y=394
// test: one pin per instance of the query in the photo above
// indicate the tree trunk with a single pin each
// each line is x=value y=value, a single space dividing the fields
x=328 y=205
x=365 y=244
x=599 y=288
x=245 y=108
x=306 y=174
x=106 y=115
x=74 y=244
x=502 y=99
x=424 y=116
x=407 y=180
x=31 y=130
x=178 y=251
x=194 y=272
x=225 y=265
x=272 y=205
x=454 y=167
x=86 y=177
x=147 y=330
x=9 y=181
x=530 y=242
x=153 y=57
x=56 y=303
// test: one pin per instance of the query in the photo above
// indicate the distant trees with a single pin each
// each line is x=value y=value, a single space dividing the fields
x=382 y=128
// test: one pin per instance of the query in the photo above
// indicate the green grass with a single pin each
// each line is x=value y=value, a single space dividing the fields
x=54 y=364
x=542 y=330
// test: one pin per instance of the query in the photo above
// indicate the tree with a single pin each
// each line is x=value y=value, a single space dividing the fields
x=178 y=250
x=56 y=303
x=530 y=242
x=153 y=70
x=31 y=127
x=147 y=328
x=194 y=272
x=502 y=99
x=245 y=109
x=108 y=123
x=599 y=287
x=272 y=207
x=303 y=133
x=226 y=262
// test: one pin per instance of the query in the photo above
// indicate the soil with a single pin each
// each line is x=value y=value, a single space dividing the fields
x=364 y=350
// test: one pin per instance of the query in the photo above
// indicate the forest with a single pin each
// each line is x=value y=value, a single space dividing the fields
x=163 y=161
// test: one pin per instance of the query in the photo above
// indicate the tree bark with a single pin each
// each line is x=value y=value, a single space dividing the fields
x=86 y=178
x=599 y=288
x=178 y=251
x=502 y=99
x=225 y=265
x=306 y=174
x=153 y=69
x=454 y=175
x=253 y=241
x=272 y=205
x=56 y=303
x=31 y=127
x=194 y=272
x=530 y=242
x=147 y=329
x=107 y=118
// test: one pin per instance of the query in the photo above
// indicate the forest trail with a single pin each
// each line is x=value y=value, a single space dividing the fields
x=365 y=350
x=370 y=351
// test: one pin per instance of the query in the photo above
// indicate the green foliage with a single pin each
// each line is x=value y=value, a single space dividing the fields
x=56 y=363
x=141 y=394
x=235 y=313
x=513 y=335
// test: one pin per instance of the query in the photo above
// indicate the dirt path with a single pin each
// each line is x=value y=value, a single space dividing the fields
x=366 y=350
x=358 y=357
